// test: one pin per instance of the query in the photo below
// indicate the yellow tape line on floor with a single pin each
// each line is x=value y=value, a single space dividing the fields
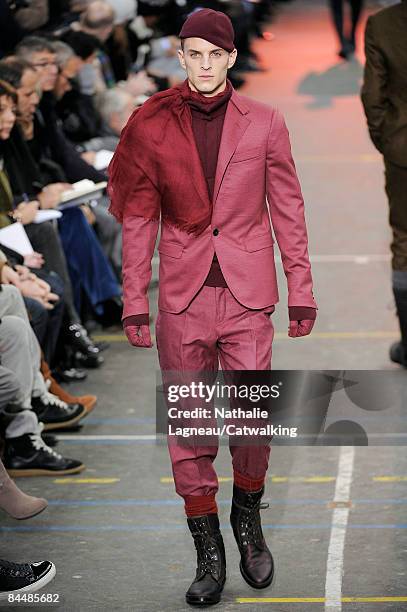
x=318 y=599
x=86 y=480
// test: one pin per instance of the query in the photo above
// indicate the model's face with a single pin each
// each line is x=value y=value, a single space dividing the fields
x=45 y=63
x=8 y=112
x=28 y=94
x=65 y=75
x=206 y=65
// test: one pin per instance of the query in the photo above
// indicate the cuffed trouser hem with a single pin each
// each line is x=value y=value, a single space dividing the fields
x=198 y=505
x=246 y=483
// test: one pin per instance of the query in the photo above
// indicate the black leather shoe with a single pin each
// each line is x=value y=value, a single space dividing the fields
x=398 y=354
x=256 y=565
x=210 y=577
x=28 y=455
x=56 y=414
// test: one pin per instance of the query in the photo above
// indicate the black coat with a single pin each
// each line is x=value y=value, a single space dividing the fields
x=384 y=92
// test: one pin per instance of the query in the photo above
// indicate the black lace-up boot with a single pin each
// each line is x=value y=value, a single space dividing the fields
x=256 y=565
x=210 y=576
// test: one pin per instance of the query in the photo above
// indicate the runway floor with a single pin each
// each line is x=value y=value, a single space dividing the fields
x=337 y=522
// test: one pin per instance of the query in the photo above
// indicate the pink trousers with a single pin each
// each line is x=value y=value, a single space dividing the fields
x=214 y=328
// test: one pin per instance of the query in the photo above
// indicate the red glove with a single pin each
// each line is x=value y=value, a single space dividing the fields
x=302 y=319
x=137 y=330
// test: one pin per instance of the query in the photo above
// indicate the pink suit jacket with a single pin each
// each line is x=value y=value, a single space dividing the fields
x=254 y=161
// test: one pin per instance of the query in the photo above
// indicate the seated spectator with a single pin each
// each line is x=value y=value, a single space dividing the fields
x=24 y=359
x=115 y=107
x=98 y=20
x=44 y=303
x=76 y=110
x=89 y=269
x=32 y=16
x=26 y=453
x=44 y=237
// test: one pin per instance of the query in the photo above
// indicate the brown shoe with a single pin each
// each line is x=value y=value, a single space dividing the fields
x=17 y=504
x=88 y=401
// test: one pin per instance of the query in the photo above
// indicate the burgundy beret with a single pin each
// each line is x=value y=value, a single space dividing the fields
x=213 y=26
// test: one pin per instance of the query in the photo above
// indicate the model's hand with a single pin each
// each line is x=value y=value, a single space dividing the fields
x=139 y=335
x=300 y=328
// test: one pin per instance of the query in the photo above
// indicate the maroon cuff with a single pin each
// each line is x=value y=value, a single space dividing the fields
x=299 y=313
x=140 y=319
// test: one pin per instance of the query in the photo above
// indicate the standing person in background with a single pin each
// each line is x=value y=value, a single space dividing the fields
x=348 y=43
x=384 y=98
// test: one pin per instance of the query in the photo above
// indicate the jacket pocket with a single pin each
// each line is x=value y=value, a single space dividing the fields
x=246 y=155
x=255 y=243
x=172 y=249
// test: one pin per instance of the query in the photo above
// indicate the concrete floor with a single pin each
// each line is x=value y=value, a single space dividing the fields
x=117 y=533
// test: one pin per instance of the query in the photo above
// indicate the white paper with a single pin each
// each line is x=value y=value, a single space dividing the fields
x=82 y=188
x=15 y=237
x=102 y=159
x=47 y=215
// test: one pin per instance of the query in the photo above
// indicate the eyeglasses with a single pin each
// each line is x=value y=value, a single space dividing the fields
x=45 y=64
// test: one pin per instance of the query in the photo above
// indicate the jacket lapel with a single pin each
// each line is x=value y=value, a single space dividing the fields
x=234 y=126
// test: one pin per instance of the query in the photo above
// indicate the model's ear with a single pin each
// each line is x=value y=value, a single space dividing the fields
x=181 y=58
x=232 y=58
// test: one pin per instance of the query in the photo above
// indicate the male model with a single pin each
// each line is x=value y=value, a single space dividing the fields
x=204 y=159
x=384 y=97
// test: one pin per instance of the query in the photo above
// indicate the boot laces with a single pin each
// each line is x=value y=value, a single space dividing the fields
x=208 y=555
x=250 y=525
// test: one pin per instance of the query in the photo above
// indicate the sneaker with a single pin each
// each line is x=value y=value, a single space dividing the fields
x=28 y=455
x=56 y=414
x=19 y=578
x=88 y=401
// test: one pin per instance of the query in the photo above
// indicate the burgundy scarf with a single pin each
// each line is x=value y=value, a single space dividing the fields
x=157 y=161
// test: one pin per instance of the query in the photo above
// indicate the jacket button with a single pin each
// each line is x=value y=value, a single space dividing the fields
x=215 y=231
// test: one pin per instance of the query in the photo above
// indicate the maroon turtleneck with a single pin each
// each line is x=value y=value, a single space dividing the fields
x=208 y=115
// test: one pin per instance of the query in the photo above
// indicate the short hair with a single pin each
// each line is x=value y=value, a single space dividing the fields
x=12 y=70
x=33 y=44
x=63 y=52
x=82 y=43
x=7 y=90
x=98 y=14
x=112 y=101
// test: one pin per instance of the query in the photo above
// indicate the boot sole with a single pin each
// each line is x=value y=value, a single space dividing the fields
x=53 y=426
x=40 y=472
x=197 y=602
x=24 y=518
x=253 y=584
